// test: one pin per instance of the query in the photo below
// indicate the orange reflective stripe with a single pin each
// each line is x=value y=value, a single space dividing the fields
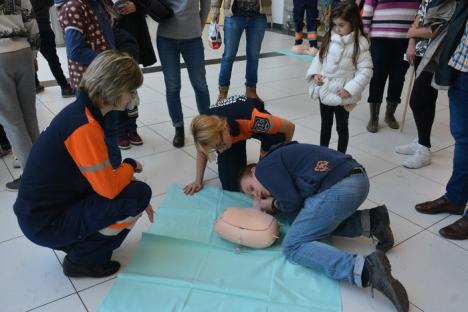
x=121 y=226
x=312 y=36
x=89 y=151
x=245 y=131
x=298 y=36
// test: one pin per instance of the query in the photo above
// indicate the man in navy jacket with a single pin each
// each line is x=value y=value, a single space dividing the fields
x=322 y=189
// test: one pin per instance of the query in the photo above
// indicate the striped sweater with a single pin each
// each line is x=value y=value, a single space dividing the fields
x=389 y=18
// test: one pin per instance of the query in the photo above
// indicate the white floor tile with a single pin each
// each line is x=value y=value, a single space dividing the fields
x=93 y=297
x=70 y=304
x=445 y=222
x=5 y=175
x=31 y=276
x=433 y=271
x=9 y=227
x=153 y=143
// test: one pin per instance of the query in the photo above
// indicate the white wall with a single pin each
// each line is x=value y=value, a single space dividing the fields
x=277 y=11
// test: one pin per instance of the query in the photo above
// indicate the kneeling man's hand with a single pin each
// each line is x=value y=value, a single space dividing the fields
x=150 y=212
x=264 y=204
x=139 y=167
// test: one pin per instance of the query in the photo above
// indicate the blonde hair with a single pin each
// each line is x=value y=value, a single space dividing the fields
x=110 y=75
x=206 y=130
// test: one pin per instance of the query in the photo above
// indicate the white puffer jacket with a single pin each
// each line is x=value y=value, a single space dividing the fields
x=339 y=72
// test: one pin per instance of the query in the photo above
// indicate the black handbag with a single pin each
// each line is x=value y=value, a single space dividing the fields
x=158 y=10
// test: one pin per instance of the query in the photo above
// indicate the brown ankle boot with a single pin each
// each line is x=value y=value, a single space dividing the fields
x=251 y=92
x=223 y=93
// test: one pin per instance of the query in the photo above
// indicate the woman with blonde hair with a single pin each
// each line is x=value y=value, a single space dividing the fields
x=70 y=197
x=225 y=129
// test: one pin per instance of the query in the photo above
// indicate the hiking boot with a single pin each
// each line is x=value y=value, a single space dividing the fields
x=420 y=159
x=373 y=124
x=408 y=149
x=14 y=185
x=380 y=278
x=251 y=92
x=179 y=137
x=71 y=269
x=390 y=115
x=223 y=93
x=68 y=92
x=135 y=138
x=380 y=228
x=124 y=142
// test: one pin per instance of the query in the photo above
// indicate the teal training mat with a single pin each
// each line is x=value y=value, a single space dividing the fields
x=302 y=57
x=181 y=265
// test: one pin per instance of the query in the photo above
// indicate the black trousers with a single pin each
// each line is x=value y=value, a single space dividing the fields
x=310 y=8
x=423 y=103
x=387 y=56
x=232 y=161
x=342 y=116
x=49 y=51
x=4 y=143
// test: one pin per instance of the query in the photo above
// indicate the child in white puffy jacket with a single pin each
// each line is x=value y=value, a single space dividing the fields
x=340 y=72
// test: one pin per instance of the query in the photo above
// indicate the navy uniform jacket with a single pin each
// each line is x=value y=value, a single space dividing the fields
x=292 y=172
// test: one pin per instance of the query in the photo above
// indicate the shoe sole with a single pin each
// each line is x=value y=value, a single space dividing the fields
x=416 y=167
x=136 y=143
x=124 y=147
x=386 y=220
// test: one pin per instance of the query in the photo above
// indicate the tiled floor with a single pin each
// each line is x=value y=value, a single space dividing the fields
x=433 y=269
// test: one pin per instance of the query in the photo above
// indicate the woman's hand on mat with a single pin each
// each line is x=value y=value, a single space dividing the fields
x=192 y=188
x=150 y=212
x=342 y=93
x=318 y=79
x=139 y=167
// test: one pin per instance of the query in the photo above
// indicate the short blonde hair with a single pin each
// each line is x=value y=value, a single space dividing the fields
x=109 y=76
x=206 y=130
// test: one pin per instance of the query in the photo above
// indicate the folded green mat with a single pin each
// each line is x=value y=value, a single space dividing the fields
x=302 y=57
x=182 y=265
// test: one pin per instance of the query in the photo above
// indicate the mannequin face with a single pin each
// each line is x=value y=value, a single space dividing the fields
x=341 y=27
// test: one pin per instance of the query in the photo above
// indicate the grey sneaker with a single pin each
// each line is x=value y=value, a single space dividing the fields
x=380 y=228
x=13 y=185
x=380 y=278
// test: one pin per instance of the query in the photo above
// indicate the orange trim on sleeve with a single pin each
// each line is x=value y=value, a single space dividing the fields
x=122 y=225
x=87 y=148
x=245 y=131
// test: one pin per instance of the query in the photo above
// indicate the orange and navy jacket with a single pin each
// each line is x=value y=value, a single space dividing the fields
x=68 y=162
x=245 y=117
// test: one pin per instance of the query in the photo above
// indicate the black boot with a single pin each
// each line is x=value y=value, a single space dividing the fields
x=179 y=137
x=379 y=276
x=380 y=228
x=71 y=269
x=390 y=115
x=373 y=125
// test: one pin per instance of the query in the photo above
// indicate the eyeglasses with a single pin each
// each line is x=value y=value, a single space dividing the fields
x=221 y=145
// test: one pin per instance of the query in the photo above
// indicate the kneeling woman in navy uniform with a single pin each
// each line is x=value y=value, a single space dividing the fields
x=225 y=128
x=70 y=197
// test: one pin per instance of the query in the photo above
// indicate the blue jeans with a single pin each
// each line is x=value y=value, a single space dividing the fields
x=331 y=212
x=234 y=26
x=192 y=51
x=457 y=187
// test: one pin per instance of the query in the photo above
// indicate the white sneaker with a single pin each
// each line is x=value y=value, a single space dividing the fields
x=408 y=149
x=16 y=163
x=420 y=159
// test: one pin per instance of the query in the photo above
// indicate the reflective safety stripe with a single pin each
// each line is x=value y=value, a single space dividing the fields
x=116 y=228
x=312 y=36
x=298 y=36
x=95 y=167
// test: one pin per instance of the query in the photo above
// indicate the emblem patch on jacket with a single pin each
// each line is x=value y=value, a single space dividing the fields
x=261 y=124
x=322 y=165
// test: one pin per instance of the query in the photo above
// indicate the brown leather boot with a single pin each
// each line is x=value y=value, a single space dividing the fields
x=223 y=93
x=457 y=230
x=251 y=92
x=440 y=205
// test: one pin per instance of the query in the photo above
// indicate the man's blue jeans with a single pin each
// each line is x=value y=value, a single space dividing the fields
x=457 y=187
x=234 y=26
x=192 y=51
x=331 y=212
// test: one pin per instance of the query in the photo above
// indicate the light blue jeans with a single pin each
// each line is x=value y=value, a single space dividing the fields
x=331 y=212
x=234 y=26
x=192 y=51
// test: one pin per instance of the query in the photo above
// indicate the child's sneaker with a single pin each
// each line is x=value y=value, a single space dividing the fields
x=420 y=159
x=312 y=51
x=300 y=49
x=124 y=142
x=135 y=138
x=408 y=149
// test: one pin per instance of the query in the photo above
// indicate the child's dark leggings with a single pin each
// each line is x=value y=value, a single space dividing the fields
x=342 y=117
